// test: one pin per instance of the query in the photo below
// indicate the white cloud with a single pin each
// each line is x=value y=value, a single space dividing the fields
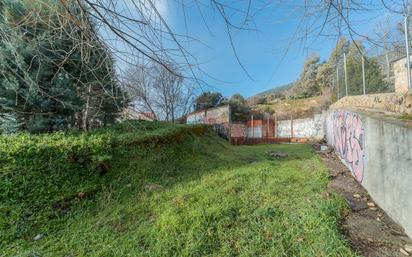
x=145 y=7
x=162 y=6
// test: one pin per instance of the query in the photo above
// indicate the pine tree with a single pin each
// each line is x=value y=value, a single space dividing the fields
x=374 y=78
x=307 y=85
x=50 y=68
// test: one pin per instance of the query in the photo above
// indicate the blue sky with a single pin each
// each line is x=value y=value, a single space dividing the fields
x=270 y=54
x=261 y=52
x=264 y=53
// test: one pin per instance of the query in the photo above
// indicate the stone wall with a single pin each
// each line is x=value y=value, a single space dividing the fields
x=387 y=102
x=378 y=151
x=401 y=77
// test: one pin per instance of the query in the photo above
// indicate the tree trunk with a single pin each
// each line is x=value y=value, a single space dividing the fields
x=86 y=111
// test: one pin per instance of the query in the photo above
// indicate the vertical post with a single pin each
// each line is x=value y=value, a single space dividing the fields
x=408 y=64
x=276 y=124
x=230 y=123
x=388 y=66
x=267 y=127
x=346 y=74
x=253 y=130
x=205 y=117
x=363 y=75
x=291 y=126
x=337 y=80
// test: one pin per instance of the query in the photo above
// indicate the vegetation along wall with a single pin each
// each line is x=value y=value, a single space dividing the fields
x=378 y=152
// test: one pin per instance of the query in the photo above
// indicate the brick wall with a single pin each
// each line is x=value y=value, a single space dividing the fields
x=238 y=130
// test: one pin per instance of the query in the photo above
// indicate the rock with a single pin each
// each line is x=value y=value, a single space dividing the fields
x=38 y=237
x=153 y=187
x=276 y=154
x=129 y=185
x=370 y=204
x=378 y=219
x=357 y=196
x=373 y=208
x=408 y=248
x=370 y=239
x=324 y=148
x=404 y=252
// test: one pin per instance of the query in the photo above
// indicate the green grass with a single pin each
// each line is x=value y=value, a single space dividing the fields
x=405 y=116
x=198 y=197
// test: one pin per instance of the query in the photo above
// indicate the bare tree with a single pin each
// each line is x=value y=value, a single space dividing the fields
x=137 y=32
x=156 y=90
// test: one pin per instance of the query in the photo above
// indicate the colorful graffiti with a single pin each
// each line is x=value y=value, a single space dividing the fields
x=347 y=135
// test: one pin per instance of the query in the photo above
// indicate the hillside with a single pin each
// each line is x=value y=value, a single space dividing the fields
x=281 y=90
x=285 y=101
x=299 y=108
x=155 y=189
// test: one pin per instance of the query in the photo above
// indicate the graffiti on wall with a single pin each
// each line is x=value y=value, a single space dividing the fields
x=218 y=117
x=347 y=134
x=196 y=118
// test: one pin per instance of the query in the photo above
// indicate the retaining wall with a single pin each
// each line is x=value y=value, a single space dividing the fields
x=385 y=102
x=378 y=151
x=302 y=128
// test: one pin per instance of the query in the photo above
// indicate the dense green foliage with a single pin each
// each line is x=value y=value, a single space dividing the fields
x=240 y=111
x=307 y=84
x=374 y=78
x=208 y=100
x=53 y=75
x=317 y=76
x=153 y=189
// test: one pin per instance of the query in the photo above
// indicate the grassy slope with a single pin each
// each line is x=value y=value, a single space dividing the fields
x=298 y=107
x=200 y=197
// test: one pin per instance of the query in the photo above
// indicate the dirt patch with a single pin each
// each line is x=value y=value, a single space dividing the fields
x=367 y=227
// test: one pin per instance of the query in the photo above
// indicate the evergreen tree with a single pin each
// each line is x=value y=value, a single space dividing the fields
x=307 y=85
x=208 y=100
x=50 y=68
x=374 y=78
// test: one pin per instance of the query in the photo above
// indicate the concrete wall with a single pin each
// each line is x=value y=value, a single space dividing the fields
x=255 y=132
x=284 y=128
x=378 y=151
x=217 y=115
x=302 y=128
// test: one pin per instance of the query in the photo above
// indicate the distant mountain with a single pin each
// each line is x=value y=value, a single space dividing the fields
x=277 y=90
